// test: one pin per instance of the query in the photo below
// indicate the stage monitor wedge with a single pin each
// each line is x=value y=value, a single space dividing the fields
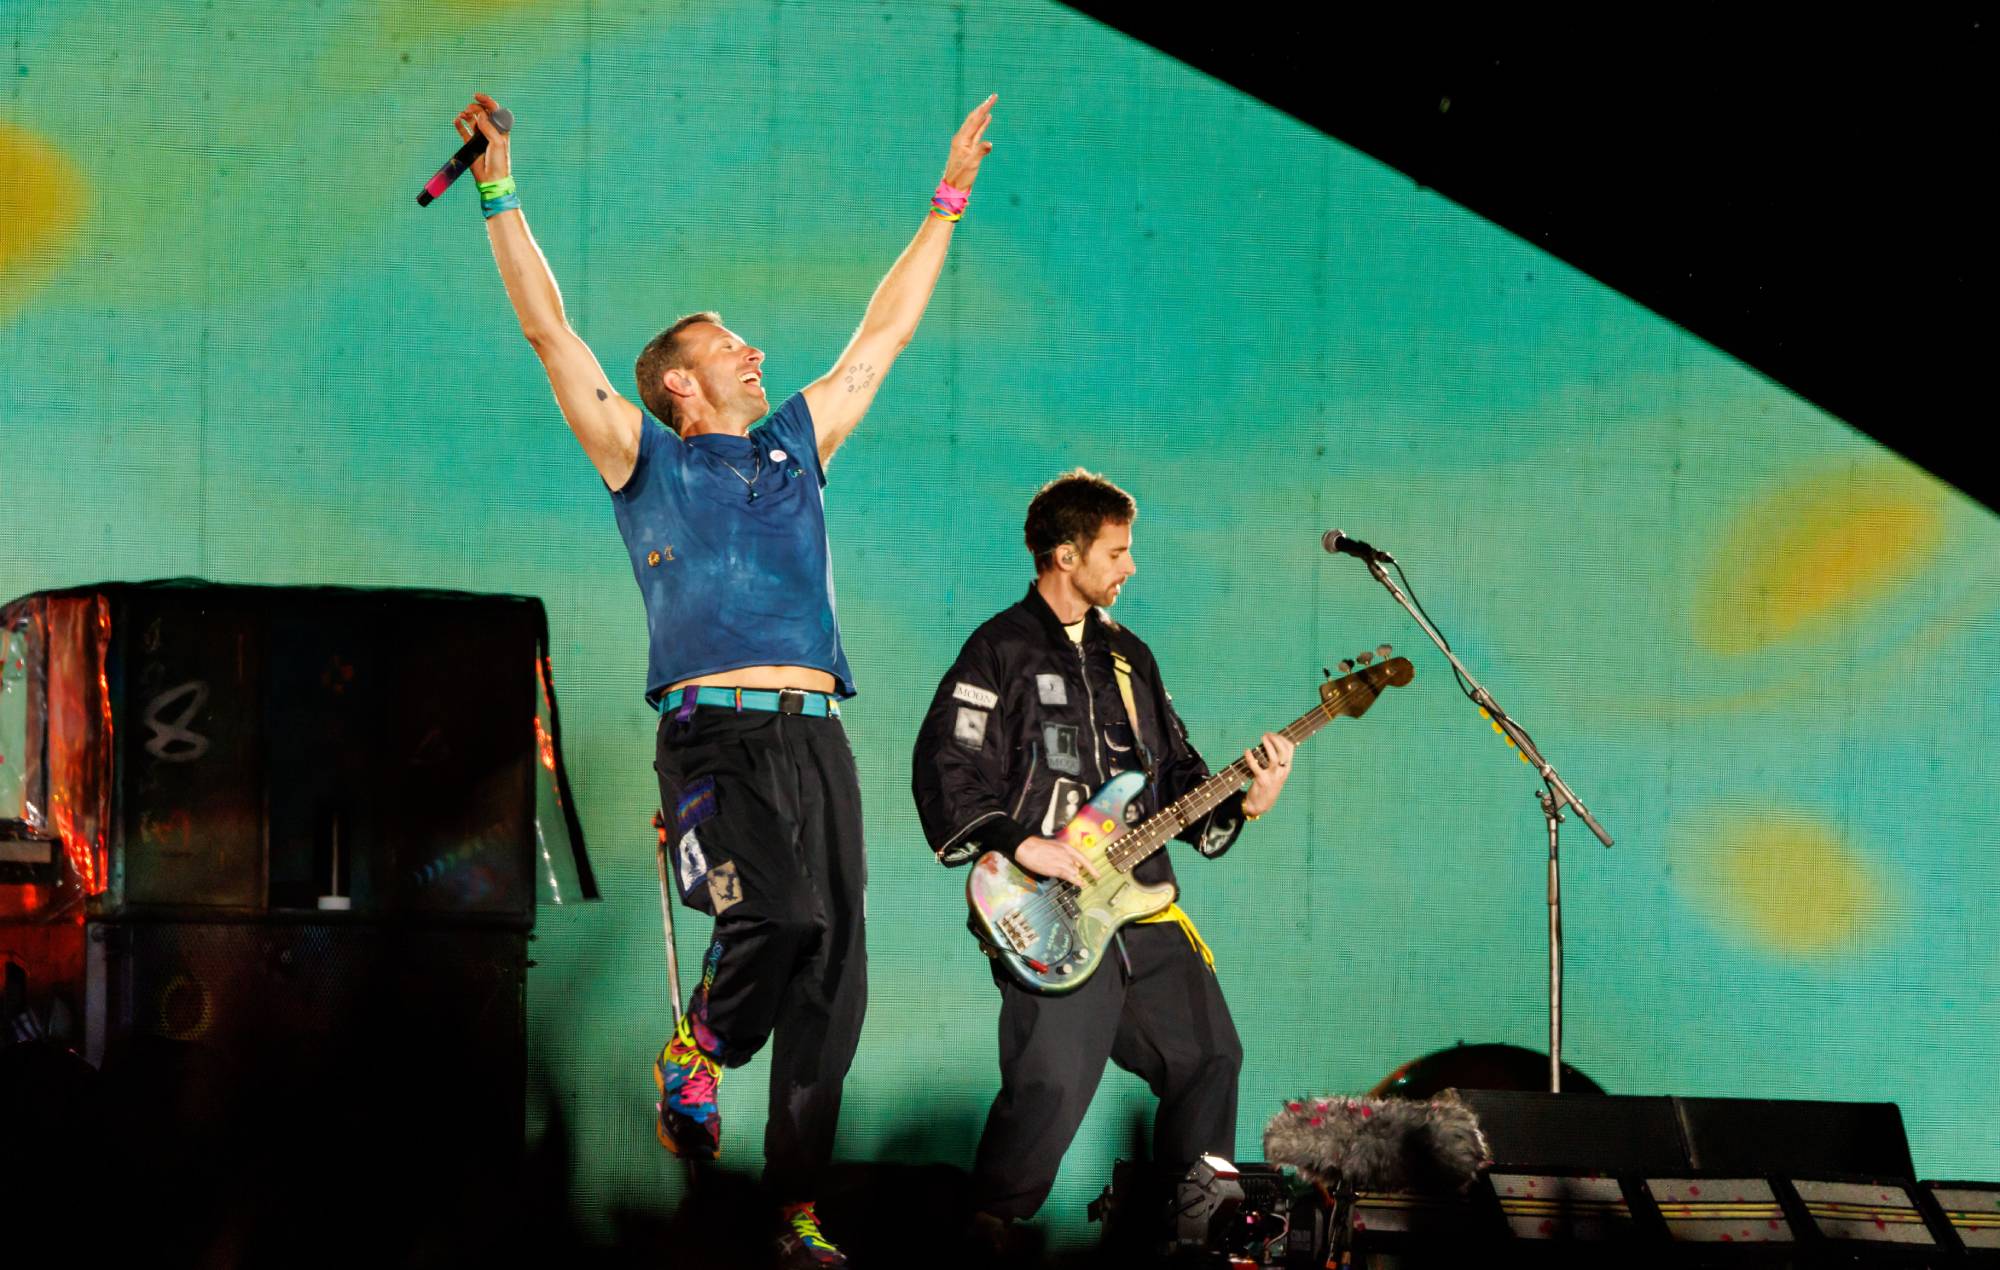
x=1795 y=1138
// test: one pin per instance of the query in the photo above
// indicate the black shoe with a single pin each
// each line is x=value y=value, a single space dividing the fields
x=994 y=1242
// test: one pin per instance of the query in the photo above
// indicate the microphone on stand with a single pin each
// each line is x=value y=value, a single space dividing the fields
x=1337 y=542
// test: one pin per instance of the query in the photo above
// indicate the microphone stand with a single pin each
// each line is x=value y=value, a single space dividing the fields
x=1553 y=797
x=667 y=911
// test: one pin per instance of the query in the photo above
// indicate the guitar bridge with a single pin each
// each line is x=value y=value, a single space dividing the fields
x=1018 y=932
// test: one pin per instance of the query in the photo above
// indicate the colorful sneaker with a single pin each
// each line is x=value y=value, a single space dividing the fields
x=802 y=1246
x=690 y=1123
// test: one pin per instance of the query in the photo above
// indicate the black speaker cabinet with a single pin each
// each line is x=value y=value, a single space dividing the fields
x=246 y=749
x=354 y=1078
x=1801 y=1138
x=1659 y=1136
x=1604 y=1180
x=1578 y=1132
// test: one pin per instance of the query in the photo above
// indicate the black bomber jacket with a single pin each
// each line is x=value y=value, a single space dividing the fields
x=1026 y=726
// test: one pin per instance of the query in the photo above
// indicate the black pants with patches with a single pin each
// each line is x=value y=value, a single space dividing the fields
x=764 y=832
x=1165 y=1021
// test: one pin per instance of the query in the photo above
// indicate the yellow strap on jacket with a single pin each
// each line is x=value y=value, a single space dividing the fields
x=1175 y=913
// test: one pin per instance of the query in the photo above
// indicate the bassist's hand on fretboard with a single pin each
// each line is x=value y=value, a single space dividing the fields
x=1270 y=763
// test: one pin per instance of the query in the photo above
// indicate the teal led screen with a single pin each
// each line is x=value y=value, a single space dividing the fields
x=1760 y=645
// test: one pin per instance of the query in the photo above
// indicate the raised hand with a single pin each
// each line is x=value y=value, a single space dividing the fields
x=495 y=163
x=969 y=146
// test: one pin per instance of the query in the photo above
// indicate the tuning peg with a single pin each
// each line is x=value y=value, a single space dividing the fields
x=1347 y=665
x=1364 y=658
x=1325 y=672
x=1384 y=651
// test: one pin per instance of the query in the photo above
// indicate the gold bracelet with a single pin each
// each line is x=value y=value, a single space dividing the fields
x=1252 y=815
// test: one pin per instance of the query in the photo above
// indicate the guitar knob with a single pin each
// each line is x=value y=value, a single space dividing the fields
x=1384 y=651
x=1347 y=665
x=1364 y=658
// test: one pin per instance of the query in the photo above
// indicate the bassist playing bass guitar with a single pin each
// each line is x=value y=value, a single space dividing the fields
x=1046 y=703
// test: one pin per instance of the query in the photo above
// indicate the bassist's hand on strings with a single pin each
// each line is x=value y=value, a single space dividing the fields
x=1047 y=858
x=1267 y=776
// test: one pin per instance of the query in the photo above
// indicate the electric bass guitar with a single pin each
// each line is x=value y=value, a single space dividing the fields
x=1051 y=934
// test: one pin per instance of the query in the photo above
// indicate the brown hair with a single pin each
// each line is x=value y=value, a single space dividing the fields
x=1073 y=508
x=662 y=354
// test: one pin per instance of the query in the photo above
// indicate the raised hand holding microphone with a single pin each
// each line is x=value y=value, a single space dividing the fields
x=483 y=126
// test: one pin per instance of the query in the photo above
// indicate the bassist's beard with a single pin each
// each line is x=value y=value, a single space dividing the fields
x=1103 y=597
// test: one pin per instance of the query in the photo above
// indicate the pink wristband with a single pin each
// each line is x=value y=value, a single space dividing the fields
x=950 y=198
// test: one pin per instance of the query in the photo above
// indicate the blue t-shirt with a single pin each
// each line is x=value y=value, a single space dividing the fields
x=730 y=580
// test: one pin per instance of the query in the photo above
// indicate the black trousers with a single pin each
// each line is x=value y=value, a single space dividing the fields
x=1164 y=1021
x=764 y=833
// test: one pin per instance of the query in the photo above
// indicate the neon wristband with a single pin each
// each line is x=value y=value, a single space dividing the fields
x=950 y=200
x=494 y=206
x=490 y=190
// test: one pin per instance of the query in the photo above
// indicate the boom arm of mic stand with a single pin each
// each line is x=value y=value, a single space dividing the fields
x=1553 y=799
x=1559 y=789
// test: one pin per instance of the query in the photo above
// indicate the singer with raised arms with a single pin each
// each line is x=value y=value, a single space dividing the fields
x=719 y=500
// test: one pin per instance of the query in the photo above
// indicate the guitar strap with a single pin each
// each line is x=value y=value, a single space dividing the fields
x=1122 y=670
x=1174 y=913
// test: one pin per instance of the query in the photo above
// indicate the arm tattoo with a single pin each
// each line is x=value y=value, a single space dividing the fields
x=859 y=376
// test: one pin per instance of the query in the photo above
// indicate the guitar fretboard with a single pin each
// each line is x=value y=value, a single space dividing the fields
x=1127 y=850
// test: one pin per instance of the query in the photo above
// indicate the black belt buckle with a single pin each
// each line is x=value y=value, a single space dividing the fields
x=791 y=701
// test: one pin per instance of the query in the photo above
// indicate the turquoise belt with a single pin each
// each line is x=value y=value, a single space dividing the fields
x=775 y=700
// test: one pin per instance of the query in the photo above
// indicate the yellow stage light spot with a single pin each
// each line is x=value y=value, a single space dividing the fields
x=43 y=201
x=1815 y=552
x=1786 y=881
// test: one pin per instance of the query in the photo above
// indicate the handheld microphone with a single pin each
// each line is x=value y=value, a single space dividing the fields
x=1338 y=543
x=503 y=121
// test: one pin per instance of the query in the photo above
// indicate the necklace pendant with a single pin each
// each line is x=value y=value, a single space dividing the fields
x=753 y=495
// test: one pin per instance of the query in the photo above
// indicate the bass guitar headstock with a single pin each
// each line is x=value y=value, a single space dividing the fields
x=1363 y=680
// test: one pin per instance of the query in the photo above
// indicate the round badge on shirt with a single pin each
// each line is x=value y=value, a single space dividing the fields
x=778 y=456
